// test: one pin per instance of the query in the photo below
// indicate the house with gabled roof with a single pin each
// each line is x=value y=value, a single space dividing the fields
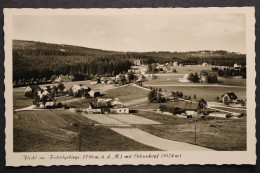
x=32 y=88
x=47 y=101
x=79 y=90
x=231 y=96
x=106 y=106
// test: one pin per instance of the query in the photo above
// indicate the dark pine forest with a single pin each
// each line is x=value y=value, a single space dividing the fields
x=42 y=60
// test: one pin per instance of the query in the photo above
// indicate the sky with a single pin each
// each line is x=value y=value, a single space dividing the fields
x=136 y=32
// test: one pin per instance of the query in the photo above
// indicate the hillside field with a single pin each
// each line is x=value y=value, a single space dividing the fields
x=53 y=130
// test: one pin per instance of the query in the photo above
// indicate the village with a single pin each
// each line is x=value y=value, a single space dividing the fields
x=141 y=101
x=46 y=96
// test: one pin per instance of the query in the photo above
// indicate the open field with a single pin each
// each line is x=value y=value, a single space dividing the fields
x=58 y=130
x=208 y=93
x=158 y=142
x=19 y=100
x=225 y=134
x=173 y=78
x=188 y=69
x=127 y=93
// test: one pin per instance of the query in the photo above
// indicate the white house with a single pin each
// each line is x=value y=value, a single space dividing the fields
x=175 y=64
x=236 y=65
x=107 y=105
x=204 y=64
x=50 y=102
x=137 y=62
x=231 y=96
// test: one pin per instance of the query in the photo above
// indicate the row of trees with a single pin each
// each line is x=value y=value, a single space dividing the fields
x=155 y=96
x=227 y=72
x=203 y=77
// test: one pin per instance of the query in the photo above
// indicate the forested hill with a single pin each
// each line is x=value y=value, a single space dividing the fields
x=38 y=59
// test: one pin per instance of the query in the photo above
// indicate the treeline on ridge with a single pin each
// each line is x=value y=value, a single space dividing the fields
x=39 y=60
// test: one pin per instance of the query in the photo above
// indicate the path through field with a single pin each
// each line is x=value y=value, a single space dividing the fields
x=157 y=142
x=122 y=124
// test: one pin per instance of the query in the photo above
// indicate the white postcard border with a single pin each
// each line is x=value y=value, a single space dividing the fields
x=194 y=157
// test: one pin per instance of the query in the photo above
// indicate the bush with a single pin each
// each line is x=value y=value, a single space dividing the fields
x=164 y=108
x=59 y=105
x=28 y=94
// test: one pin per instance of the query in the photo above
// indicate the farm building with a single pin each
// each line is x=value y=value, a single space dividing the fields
x=204 y=64
x=46 y=88
x=93 y=93
x=189 y=108
x=177 y=110
x=237 y=66
x=107 y=106
x=42 y=93
x=48 y=101
x=175 y=64
x=137 y=62
x=82 y=90
x=79 y=90
x=32 y=88
x=111 y=80
x=231 y=96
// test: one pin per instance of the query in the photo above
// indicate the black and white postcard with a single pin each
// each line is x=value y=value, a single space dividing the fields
x=130 y=86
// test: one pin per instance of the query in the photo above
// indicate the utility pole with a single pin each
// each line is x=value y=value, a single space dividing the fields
x=80 y=136
x=195 y=133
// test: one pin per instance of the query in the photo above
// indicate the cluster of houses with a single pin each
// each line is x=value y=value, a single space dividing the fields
x=63 y=78
x=45 y=99
x=190 y=108
x=107 y=106
x=82 y=91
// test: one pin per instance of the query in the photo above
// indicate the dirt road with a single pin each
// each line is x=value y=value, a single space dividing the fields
x=157 y=142
x=122 y=124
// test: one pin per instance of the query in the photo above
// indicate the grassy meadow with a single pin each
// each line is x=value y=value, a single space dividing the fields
x=218 y=134
x=51 y=130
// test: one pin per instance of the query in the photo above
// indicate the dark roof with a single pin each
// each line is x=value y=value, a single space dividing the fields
x=183 y=105
x=34 y=87
x=231 y=95
x=100 y=104
x=48 y=87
